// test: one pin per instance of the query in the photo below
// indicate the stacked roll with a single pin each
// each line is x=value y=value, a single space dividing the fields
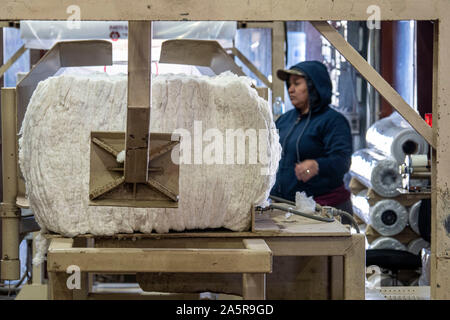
x=387 y=243
x=394 y=137
x=388 y=140
x=413 y=217
x=415 y=246
x=377 y=172
x=388 y=217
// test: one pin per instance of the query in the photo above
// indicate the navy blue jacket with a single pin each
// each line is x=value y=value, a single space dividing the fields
x=326 y=138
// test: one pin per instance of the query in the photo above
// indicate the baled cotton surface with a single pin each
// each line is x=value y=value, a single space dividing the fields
x=55 y=151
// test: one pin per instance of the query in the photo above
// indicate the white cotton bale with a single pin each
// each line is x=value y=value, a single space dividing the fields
x=387 y=243
x=413 y=217
x=376 y=171
x=55 y=150
x=394 y=137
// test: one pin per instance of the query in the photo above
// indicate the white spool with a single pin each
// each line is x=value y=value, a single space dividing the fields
x=416 y=246
x=376 y=171
x=419 y=160
x=413 y=217
x=387 y=243
x=388 y=217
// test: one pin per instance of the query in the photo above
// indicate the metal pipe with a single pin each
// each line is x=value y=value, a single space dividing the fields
x=281 y=200
x=9 y=213
x=421 y=175
x=299 y=213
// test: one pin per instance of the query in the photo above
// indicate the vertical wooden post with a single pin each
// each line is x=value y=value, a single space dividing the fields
x=435 y=111
x=278 y=61
x=137 y=138
x=85 y=277
x=254 y=286
x=440 y=222
x=10 y=213
x=336 y=277
x=83 y=292
x=57 y=286
x=355 y=269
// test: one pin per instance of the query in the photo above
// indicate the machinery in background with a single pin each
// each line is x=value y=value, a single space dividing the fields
x=416 y=174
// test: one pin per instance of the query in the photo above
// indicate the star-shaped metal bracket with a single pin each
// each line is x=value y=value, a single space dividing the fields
x=107 y=186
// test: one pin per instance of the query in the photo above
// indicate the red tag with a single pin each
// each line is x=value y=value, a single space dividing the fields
x=429 y=119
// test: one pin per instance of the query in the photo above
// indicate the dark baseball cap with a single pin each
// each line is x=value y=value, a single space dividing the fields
x=283 y=74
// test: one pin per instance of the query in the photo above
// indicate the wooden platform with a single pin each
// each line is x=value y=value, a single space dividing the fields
x=190 y=262
x=269 y=224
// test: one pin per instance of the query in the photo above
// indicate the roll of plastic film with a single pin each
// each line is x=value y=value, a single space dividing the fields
x=376 y=171
x=394 y=137
x=413 y=217
x=361 y=206
x=387 y=243
x=388 y=217
x=416 y=245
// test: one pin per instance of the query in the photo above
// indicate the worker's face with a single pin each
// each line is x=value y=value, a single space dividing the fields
x=298 y=92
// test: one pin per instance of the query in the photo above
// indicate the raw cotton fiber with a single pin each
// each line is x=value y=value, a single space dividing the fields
x=55 y=151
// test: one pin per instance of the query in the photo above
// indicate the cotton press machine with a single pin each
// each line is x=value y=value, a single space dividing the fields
x=205 y=261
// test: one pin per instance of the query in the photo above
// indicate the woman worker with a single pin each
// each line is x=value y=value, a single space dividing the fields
x=316 y=140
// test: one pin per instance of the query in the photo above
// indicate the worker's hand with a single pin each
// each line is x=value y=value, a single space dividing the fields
x=306 y=169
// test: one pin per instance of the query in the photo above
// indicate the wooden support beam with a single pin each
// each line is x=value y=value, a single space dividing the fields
x=9 y=212
x=440 y=221
x=137 y=138
x=336 y=277
x=278 y=59
x=442 y=280
x=251 y=67
x=434 y=171
x=60 y=243
x=257 y=259
x=254 y=286
x=256 y=245
x=219 y=10
x=311 y=246
x=355 y=269
x=13 y=59
x=83 y=292
x=376 y=80
x=57 y=286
